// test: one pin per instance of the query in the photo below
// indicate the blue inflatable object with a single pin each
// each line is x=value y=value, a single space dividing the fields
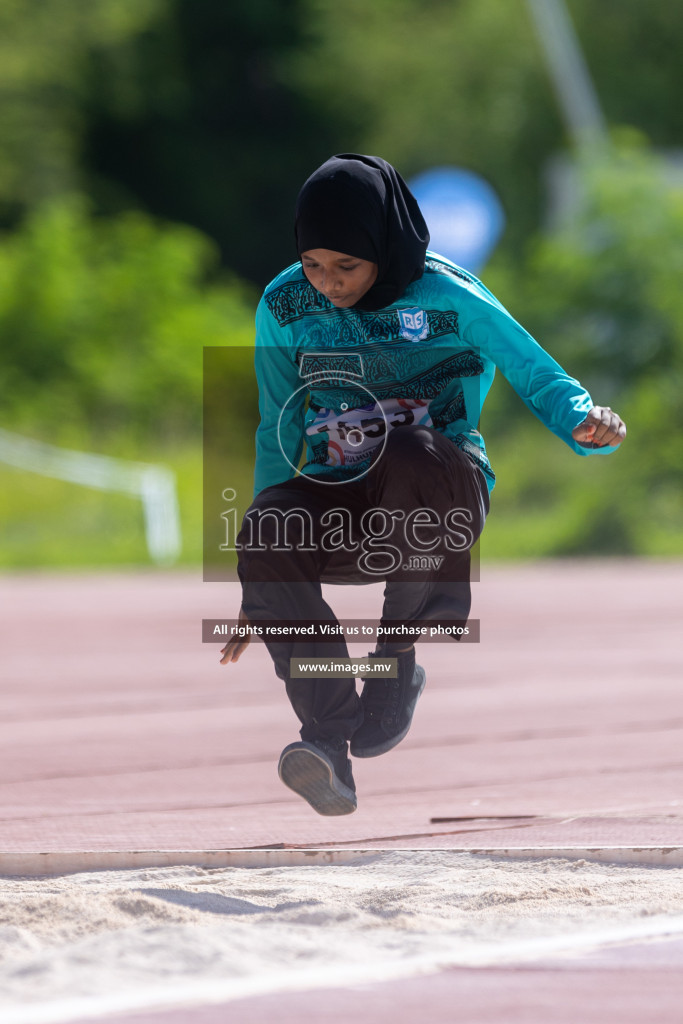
x=464 y=215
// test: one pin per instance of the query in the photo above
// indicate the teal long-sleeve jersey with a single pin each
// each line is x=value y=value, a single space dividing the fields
x=339 y=380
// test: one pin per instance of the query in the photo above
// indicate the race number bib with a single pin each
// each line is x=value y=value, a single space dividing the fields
x=353 y=436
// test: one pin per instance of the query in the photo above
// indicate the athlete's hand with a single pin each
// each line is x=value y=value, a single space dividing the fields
x=601 y=427
x=235 y=648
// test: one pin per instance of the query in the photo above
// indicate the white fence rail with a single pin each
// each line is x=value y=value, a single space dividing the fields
x=155 y=486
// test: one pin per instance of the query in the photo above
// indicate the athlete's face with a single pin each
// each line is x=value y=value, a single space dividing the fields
x=342 y=279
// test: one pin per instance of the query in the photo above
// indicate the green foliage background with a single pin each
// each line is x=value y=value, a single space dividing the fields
x=150 y=154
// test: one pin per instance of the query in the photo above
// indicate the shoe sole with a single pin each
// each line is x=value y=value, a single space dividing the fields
x=306 y=771
x=392 y=741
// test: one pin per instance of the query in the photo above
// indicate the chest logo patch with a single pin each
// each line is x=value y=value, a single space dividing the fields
x=414 y=323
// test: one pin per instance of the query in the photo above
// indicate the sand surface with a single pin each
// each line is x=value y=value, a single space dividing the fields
x=94 y=943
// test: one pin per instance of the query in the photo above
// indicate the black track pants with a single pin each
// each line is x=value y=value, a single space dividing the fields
x=281 y=567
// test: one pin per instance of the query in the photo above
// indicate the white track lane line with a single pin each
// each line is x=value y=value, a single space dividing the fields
x=204 y=993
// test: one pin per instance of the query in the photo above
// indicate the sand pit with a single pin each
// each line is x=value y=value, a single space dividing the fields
x=93 y=943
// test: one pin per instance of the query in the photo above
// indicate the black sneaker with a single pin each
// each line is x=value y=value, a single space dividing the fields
x=320 y=772
x=388 y=705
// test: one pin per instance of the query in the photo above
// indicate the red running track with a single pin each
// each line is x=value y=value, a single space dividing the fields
x=563 y=727
x=122 y=731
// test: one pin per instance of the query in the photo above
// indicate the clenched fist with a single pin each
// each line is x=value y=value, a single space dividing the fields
x=601 y=427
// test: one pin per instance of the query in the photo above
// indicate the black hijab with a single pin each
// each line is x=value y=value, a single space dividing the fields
x=361 y=206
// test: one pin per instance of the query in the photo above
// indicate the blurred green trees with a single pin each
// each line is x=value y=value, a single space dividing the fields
x=104 y=322
x=213 y=113
x=151 y=151
x=44 y=51
x=602 y=292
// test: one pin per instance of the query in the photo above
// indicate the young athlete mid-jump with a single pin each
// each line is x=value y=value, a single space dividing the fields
x=376 y=355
